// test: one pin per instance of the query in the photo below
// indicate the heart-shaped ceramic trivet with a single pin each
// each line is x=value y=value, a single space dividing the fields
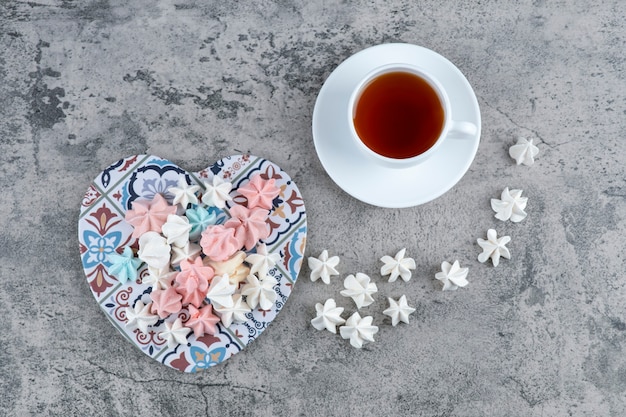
x=103 y=230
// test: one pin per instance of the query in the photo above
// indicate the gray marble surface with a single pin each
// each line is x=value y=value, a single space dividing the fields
x=83 y=84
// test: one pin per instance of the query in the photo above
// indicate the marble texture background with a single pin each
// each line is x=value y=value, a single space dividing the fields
x=83 y=84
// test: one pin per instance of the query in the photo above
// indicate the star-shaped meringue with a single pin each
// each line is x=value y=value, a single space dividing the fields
x=260 y=292
x=398 y=266
x=399 y=311
x=510 y=206
x=323 y=267
x=193 y=281
x=494 y=247
x=261 y=261
x=188 y=252
x=236 y=313
x=250 y=225
x=166 y=302
x=358 y=330
x=199 y=219
x=154 y=250
x=124 y=266
x=175 y=333
x=221 y=291
x=148 y=215
x=524 y=151
x=360 y=289
x=202 y=321
x=176 y=229
x=328 y=316
x=184 y=194
x=452 y=276
x=140 y=316
x=219 y=243
x=260 y=192
x=159 y=278
x=216 y=192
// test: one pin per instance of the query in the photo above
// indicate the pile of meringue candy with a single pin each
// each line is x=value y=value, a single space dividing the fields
x=216 y=272
x=360 y=330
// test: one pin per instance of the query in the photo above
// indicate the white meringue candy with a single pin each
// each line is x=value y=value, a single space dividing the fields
x=154 y=250
x=452 y=276
x=510 y=206
x=221 y=291
x=140 y=316
x=323 y=267
x=524 y=152
x=399 y=311
x=236 y=313
x=360 y=289
x=358 y=330
x=159 y=279
x=261 y=261
x=175 y=333
x=328 y=316
x=176 y=229
x=216 y=193
x=260 y=292
x=184 y=194
x=188 y=252
x=398 y=266
x=494 y=247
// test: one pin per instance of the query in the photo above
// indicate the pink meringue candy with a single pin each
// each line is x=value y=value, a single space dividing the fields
x=148 y=215
x=250 y=225
x=166 y=302
x=202 y=321
x=259 y=192
x=219 y=243
x=192 y=282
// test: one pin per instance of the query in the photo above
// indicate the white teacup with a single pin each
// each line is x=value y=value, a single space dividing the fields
x=440 y=106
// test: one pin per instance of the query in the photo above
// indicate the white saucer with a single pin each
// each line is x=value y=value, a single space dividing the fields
x=353 y=171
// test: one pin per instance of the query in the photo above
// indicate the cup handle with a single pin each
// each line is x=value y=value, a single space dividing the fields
x=462 y=129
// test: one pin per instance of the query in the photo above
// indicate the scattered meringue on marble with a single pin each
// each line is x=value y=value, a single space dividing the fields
x=140 y=316
x=328 y=316
x=452 y=276
x=494 y=247
x=175 y=333
x=398 y=266
x=124 y=267
x=510 y=206
x=360 y=289
x=262 y=261
x=184 y=194
x=399 y=311
x=524 y=152
x=323 y=267
x=216 y=193
x=358 y=330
